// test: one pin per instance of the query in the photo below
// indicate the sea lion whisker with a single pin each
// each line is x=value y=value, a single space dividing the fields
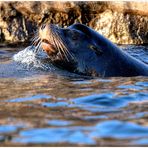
x=62 y=47
x=34 y=38
x=34 y=43
x=38 y=47
x=52 y=37
x=58 y=45
x=35 y=35
x=55 y=41
x=66 y=50
x=62 y=41
x=36 y=31
x=63 y=50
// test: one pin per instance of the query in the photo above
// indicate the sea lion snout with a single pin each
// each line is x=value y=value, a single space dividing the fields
x=43 y=26
x=44 y=31
x=45 y=34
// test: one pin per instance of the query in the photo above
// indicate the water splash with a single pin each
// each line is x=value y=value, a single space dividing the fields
x=32 y=60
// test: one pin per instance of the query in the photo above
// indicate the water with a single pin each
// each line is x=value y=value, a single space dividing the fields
x=44 y=106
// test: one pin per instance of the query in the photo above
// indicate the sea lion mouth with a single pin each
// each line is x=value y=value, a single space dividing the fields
x=48 y=47
x=51 y=39
x=45 y=41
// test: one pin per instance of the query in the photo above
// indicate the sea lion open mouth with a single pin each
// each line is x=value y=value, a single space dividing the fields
x=45 y=41
x=82 y=50
x=51 y=40
x=48 y=47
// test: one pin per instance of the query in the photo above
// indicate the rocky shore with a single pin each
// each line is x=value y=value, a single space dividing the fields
x=121 y=22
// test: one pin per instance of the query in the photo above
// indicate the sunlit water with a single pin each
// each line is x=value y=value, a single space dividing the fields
x=41 y=105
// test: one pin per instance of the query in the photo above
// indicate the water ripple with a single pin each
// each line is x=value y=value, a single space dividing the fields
x=119 y=129
x=35 y=97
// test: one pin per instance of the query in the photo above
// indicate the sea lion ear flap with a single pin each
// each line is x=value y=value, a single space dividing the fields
x=96 y=49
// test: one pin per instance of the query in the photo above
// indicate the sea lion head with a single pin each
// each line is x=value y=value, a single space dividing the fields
x=74 y=48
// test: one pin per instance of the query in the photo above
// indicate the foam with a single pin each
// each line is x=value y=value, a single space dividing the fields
x=32 y=60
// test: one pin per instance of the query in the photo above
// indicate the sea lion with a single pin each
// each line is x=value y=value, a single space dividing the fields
x=82 y=50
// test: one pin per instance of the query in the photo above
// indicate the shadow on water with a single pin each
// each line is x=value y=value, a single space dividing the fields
x=43 y=106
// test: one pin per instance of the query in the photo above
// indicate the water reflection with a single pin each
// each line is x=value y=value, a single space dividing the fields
x=54 y=135
x=83 y=135
x=7 y=129
x=119 y=129
x=40 y=108
x=36 y=97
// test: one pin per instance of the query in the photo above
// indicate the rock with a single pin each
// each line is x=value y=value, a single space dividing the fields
x=14 y=26
x=122 y=28
x=121 y=22
x=139 y=8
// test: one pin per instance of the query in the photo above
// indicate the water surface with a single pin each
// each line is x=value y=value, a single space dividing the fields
x=44 y=106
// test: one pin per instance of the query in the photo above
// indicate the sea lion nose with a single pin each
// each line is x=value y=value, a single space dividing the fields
x=43 y=26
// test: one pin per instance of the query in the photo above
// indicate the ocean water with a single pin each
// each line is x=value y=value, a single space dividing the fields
x=41 y=105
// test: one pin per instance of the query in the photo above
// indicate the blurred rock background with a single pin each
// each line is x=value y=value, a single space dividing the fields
x=121 y=22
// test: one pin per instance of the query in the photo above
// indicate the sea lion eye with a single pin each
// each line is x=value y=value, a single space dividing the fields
x=74 y=36
x=95 y=49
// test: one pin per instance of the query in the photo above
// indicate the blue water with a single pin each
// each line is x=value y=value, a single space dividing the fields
x=44 y=106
